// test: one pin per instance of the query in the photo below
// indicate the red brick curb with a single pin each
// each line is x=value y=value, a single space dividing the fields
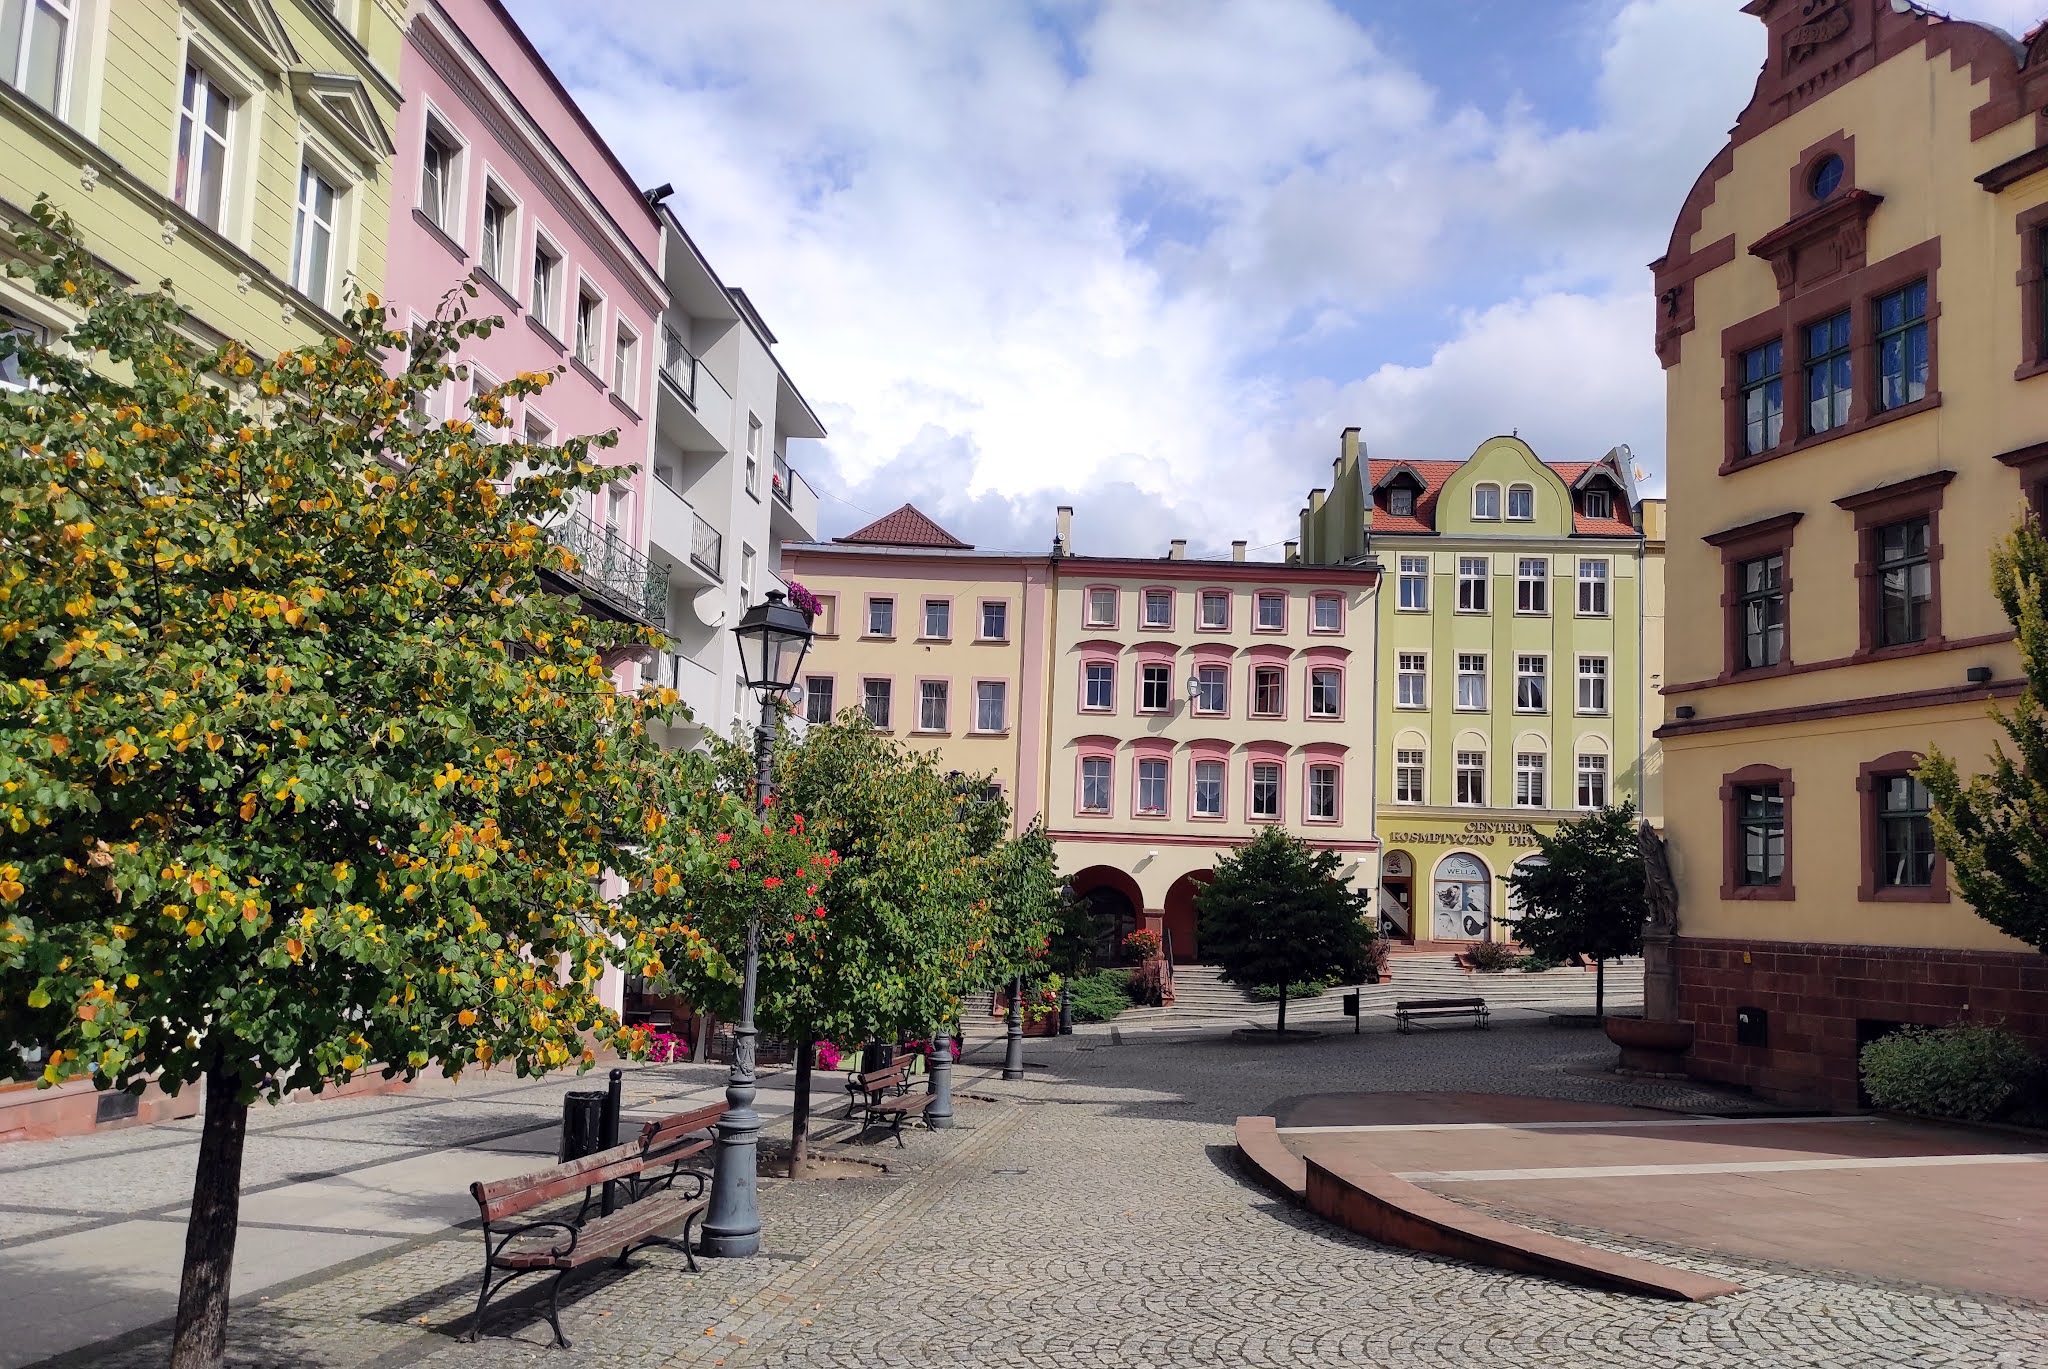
x=1273 y=1164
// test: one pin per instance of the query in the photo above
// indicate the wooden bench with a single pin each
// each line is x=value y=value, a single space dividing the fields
x=641 y=1175
x=883 y=1096
x=1408 y=1009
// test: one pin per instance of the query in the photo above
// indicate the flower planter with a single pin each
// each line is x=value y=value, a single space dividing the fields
x=1651 y=1047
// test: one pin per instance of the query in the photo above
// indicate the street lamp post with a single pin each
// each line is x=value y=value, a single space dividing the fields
x=773 y=639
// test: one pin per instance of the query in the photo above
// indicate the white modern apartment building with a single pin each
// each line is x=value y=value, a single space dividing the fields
x=725 y=496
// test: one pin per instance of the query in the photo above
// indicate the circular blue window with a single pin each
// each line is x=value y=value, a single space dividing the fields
x=1826 y=176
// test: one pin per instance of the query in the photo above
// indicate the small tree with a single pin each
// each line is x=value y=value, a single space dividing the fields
x=1583 y=895
x=303 y=773
x=1990 y=829
x=1278 y=912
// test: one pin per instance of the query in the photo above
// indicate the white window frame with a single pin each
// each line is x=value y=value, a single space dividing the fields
x=626 y=362
x=1590 y=775
x=235 y=95
x=1259 y=602
x=1160 y=596
x=1336 y=791
x=1418 y=673
x=1475 y=587
x=436 y=128
x=928 y=693
x=67 y=13
x=868 y=615
x=812 y=698
x=509 y=238
x=1593 y=681
x=1529 y=512
x=981 y=703
x=1468 y=765
x=746 y=575
x=753 y=456
x=1206 y=675
x=1530 y=779
x=1108 y=773
x=1335 y=692
x=1002 y=608
x=1414 y=573
x=1468 y=672
x=1089 y=616
x=1479 y=513
x=321 y=291
x=1145 y=676
x=1103 y=672
x=1532 y=591
x=1541 y=675
x=1596 y=588
x=888 y=700
x=1397 y=493
x=1152 y=770
x=1196 y=808
x=545 y=308
x=1411 y=775
x=587 y=345
x=1606 y=498
x=1316 y=603
x=1202 y=602
x=945 y=607
x=1252 y=808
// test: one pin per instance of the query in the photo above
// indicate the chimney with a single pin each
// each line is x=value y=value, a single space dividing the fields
x=1293 y=552
x=1064 y=535
x=1349 y=450
x=1177 y=549
x=1315 y=499
x=1237 y=550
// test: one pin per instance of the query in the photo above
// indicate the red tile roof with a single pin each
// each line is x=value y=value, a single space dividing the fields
x=905 y=528
x=1435 y=473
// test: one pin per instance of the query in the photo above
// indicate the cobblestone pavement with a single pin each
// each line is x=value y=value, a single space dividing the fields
x=1093 y=1214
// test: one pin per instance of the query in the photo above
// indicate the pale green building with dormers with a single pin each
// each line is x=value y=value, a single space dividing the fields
x=240 y=149
x=1520 y=641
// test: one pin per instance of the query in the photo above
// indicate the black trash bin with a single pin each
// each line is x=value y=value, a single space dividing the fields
x=876 y=1055
x=582 y=1124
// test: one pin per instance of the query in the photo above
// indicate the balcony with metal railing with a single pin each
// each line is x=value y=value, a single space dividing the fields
x=610 y=571
x=694 y=410
x=673 y=534
x=793 y=517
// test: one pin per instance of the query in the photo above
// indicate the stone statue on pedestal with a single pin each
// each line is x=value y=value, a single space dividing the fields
x=1660 y=925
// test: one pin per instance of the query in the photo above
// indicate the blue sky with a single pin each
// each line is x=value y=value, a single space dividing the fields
x=1150 y=257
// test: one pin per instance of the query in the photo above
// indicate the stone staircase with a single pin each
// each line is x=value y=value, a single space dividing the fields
x=1200 y=995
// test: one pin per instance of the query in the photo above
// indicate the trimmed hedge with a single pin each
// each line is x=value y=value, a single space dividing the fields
x=1100 y=996
x=1269 y=993
x=1971 y=1074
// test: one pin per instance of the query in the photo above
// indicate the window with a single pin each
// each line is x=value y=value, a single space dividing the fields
x=1152 y=787
x=1827 y=373
x=1101 y=607
x=874 y=701
x=1760 y=835
x=1401 y=502
x=817 y=698
x=1592 y=781
x=547 y=276
x=11 y=377
x=1269 y=691
x=1472 y=573
x=1325 y=692
x=1825 y=177
x=1265 y=789
x=746 y=565
x=589 y=319
x=1905 y=833
x=881 y=617
x=1902 y=346
x=1327 y=613
x=753 y=456
x=1592 y=684
x=1212 y=689
x=1905 y=581
x=938 y=618
x=1215 y=610
x=1208 y=789
x=1272 y=612
x=1532 y=584
x=1486 y=502
x=1158 y=608
x=931 y=705
x=1529 y=779
x=1469 y=790
x=203 y=122
x=625 y=370
x=1599 y=504
x=35 y=37
x=1098 y=686
x=827 y=622
x=1763 y=396
x=991 y=706
x=1155 y=684
x=1408 y=777
x=1521 y=503
x=1095 y=772
x=1761 y=581
x=313 y=236
x=1472 y=680
x=995 y=620
x=1532 y=684
x=1415 y=583
x=1322 y=793
x=1592 y=589
x=1411 y=677
x=494 y=254
x=440 y=159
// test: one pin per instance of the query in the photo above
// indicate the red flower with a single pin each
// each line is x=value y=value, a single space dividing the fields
x=771 y=883
x=725 y=836
x=789 y=938
x=799 y=821
x=817 y=912
x=732 y=865
x=811 y=892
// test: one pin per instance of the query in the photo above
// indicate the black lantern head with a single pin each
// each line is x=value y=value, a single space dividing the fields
x=773 y=639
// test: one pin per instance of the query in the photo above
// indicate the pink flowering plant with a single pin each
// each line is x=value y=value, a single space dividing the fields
x=804 y=601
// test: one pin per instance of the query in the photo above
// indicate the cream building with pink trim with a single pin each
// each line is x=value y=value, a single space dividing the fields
x=1154 y=712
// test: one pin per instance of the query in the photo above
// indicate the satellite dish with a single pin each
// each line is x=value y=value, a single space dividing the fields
x=796 y=694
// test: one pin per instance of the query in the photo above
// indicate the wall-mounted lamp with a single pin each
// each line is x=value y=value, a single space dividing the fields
x=1684 y=712
x=1978 y=674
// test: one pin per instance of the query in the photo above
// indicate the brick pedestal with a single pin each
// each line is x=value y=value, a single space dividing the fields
x=1820 y=999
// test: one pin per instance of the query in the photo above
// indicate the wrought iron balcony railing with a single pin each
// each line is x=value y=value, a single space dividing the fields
x=707 y=546
x=607 y=565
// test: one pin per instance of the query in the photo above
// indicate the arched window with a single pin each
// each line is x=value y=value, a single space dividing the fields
x=1462 y=902
x=1486 y=502
x=1521 y=503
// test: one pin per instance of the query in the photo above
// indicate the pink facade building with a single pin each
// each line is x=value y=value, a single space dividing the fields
x=500 y=181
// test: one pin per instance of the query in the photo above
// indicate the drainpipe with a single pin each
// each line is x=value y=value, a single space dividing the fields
x=1372 y=777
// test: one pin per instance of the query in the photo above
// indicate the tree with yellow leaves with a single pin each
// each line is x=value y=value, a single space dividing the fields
x=302 y=773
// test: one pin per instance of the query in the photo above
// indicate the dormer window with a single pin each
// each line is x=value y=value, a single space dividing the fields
x=1599 y=504
x=1401 y=502
x=1521 y=503
x=1486 y=502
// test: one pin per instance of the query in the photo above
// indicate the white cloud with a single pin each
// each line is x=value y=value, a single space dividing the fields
x=1010 y=268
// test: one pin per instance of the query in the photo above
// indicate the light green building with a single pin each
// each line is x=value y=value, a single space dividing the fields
x=1518 y=647
x=240 y=149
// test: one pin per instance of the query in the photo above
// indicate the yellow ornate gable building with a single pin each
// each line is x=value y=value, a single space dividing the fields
x=1851 y=314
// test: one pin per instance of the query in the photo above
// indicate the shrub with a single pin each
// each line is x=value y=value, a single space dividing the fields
x=1969 y=1073
x=1306 y=988
x=1535 y=964
x=1099 y=997
x=666 y=1048
x=829 y=1056
x=1143 y=945
x=1490 y=957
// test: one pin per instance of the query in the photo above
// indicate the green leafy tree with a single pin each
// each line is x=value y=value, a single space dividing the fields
x=1583 y=893
x=1989 y=827
x=905 y=923
x=1278 y=913
x=301 y=774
